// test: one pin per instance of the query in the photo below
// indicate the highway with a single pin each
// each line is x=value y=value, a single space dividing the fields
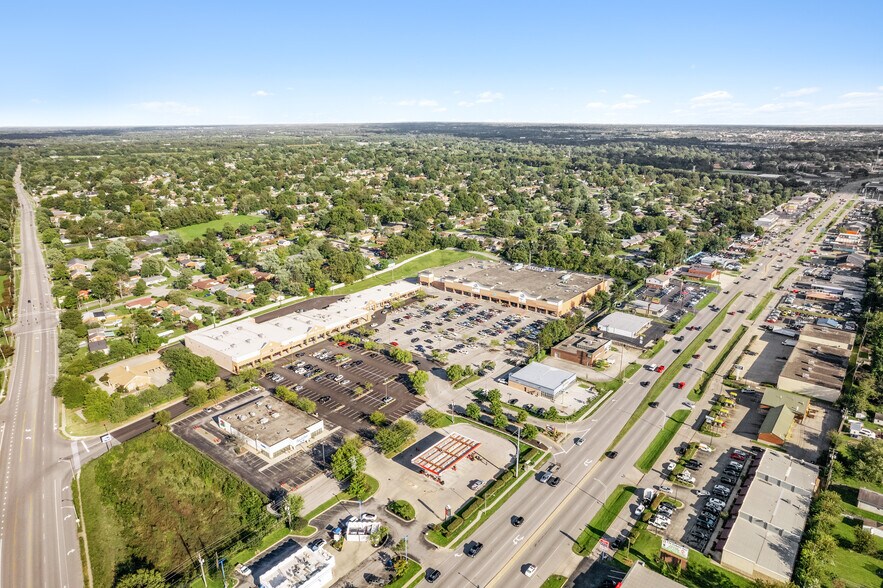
x=554 y=517
x=38 y=524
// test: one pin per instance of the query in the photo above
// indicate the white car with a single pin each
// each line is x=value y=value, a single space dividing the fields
x=529 y=570
x=689 y=404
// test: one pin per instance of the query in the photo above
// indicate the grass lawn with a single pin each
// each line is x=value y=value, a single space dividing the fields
x=407 y=270
x=685 y=320
x=701 y=572
x=599 y=524
x=554 y=581
x=154 y=500
x=615 y=383
x=237 y=220
x=664 y=381
x=412 y=570
x=699 y=390
x=662 y=439
x=270 y=539
x=657 y=347
x=855 y=569
x=784 y=277
x=761 y=305
x=706 y=300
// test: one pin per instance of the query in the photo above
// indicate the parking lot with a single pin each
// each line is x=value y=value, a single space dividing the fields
x=288 y=473
x=678 y=299
x=347 y=383
x=469 y=331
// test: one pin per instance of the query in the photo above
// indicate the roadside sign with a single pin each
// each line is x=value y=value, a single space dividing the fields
x=105 y=438
x=605 y=543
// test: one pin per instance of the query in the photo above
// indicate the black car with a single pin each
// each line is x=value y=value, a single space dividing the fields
x=654 y=404
x=516 y=521
x=554 y=481
x=680 y=450
x=473 y=548
x=692 y=464
x=732 y=472
x=612 y=454
x=645 y=383
x=432 y=575
x=729 y=480
x=324 y=399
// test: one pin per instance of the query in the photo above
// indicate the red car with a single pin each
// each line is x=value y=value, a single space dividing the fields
x=680 y=385
x=696 y=356
x=737 y=456
x=394 y=344
x=660 y=369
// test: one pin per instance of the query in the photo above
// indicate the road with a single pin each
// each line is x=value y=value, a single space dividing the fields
x=554 y=517
x=38 y=524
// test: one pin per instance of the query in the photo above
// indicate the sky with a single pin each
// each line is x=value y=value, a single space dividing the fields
x=678 y=62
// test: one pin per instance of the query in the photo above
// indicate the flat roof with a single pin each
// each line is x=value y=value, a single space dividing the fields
x=582 y=342
x=536 y=283
x=268 y=420
x=875 y=499
x=772 y=516
x=828 y=334
x=640 y=576
x=537 y=375
x=821 y=365
x=445 y=453
x=624 y=321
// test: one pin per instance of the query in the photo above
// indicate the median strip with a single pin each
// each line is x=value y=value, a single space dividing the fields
x=662 y=439
x=602 y=520
x=763 y=302
x=668 y=376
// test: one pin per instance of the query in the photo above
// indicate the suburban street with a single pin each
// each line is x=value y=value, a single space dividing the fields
x=555 y=517
x=38 y=524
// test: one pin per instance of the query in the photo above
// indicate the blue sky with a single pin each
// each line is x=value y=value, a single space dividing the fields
x=190 y=62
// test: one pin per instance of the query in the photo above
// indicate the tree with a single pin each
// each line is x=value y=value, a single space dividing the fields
x=140 y=288
x=435 y=418
x=396 y=435
x=529 y=432
x=473 y=411
x=500 y=420
x=494 y=395
x=864 y=541
x=197 y=396
x=867 y=461
x=377 y=418
x=455 y=373
x=552 y=413
x=521 y=416
x=294 y=505
x=348 y=459
x=359 y=486
x=418 y=380
x=188 y=368
x=143 y=578
x=162 y=418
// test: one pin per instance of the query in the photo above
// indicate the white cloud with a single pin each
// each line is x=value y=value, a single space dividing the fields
x=850 y=95
x=781 y=106
x=800 y=92
x=857 y=101
x=483 y=98
x=168 y=107
x=711 y=97
x=596 y=105
x=261 y=94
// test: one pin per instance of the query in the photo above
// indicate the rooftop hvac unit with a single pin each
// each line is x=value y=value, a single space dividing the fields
x=263 y=421
x=275 y=415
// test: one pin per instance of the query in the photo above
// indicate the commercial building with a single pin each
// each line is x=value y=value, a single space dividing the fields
x=248 y=343
x=772 y=398
x=648 y=308
x=269 y=426
x=870 y=501
x=817 y=366
x=767 y=221
x=658 y=282
x=624 y=324
x=540 y=289
x=583 y=349
x=776 y=425
x=640 y=576
x=134 y=374
x=536 y=378
x=762 y=535
x=291 y=565
x=703 y=272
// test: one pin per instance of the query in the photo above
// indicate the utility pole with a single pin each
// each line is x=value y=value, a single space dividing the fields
x=223 y=571
x=518 y=453
x=202 y=569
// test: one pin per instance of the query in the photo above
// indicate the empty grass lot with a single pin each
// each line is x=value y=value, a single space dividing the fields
x=599 y=524
x=237 y=220
x=407 y=270
x=662 y=439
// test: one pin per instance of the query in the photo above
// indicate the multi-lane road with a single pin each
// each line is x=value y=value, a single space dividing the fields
x=554 y=517
x=38 y=524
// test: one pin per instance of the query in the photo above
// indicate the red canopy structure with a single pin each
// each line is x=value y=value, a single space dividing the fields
x=445 y=454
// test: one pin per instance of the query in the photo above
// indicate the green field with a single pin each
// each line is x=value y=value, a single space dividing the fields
x=554 y=581
x=408 y=270
x=599 y=524
x=685 y=320
x=237 y=220
x=706 y=300
x=853 y=568
x=154 y=501
x=662 y=439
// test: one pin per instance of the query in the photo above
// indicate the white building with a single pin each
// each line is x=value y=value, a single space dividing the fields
x=248 y=343
x=624 y=324
x=294 y=566
x=269 y=426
